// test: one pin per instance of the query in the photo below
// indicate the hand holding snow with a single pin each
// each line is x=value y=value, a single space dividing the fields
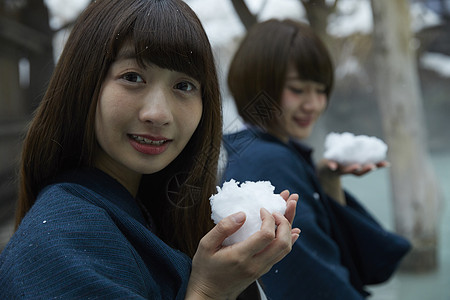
x=249 y=197
x=346 y=148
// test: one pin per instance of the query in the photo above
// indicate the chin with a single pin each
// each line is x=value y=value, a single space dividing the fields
x=302 y=135
x=148 y=171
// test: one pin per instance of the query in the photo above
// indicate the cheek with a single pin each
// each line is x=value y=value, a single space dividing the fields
x=191 y=117
x=108 y=114
x=288 y=102
x=324 y=104
x=112 y=107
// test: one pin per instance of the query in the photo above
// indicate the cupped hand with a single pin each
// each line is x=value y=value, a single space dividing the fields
x=223 y=272
x=355 y=169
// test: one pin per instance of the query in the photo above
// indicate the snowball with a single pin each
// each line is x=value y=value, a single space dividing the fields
x=249 y=197
x=346 y=148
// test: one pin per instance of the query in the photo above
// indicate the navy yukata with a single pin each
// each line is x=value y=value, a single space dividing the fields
x=341 y=249
x=85 y=238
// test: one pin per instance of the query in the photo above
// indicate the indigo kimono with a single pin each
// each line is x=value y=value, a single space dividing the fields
x=84 y=238
x=341 y=249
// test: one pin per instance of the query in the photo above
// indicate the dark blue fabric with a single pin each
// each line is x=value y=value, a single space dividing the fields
x=340 y=249
x=85 y=238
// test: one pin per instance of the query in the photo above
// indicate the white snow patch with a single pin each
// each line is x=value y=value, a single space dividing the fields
x=346 y=148
x=248 y=197
x=440 y=63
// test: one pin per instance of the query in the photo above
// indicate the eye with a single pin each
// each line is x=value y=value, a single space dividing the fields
x=321 y=89
x=295 y=90
x=133 y=77
x=185 y=86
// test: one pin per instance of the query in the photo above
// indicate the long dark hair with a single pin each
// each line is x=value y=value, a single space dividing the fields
x=61 y=135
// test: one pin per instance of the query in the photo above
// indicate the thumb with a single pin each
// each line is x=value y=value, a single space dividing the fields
x=226 y=227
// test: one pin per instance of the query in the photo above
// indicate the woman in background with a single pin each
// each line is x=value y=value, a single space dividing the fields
x=281 y=78
x=117 y=165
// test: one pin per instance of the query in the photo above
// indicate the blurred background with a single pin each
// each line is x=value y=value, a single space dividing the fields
x=369 y=41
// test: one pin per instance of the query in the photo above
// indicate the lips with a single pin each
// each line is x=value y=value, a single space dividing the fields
x=149 y=145
x=303 y=122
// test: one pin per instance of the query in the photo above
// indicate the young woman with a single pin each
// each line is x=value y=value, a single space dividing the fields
x=118 y=166
x=281 y=78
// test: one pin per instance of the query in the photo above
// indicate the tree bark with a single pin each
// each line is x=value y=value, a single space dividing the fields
x=416 y=194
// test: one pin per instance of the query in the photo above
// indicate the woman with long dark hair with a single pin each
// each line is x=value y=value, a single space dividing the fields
x=118 y=166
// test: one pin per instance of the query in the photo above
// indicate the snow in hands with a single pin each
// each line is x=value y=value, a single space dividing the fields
x=248 y=197
x=347 y=148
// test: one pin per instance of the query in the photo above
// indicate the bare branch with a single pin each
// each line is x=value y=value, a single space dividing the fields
x=244 y=13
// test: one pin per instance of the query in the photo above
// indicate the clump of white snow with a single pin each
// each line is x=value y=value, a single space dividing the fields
x=347 y=148
x=248 y=197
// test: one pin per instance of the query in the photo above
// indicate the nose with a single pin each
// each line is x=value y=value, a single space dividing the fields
x=313 y=100
x=156 y=109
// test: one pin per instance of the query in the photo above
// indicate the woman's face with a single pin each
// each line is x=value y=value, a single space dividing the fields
x=144 y=118
x=302 y=102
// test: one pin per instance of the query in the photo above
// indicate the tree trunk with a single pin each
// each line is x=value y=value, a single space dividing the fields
x=416 y=194
x=317 y=12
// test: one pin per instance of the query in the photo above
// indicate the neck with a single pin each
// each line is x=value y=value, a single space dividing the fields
x=130 y=180
x=279 y=135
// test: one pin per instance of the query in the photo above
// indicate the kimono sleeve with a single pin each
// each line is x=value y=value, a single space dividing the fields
x=376 y=252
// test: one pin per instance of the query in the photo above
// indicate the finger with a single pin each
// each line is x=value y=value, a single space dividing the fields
x=295 y=238
x=283 y=225
x=295 y=233
x=361 y=172
x=226 y=227
x=332 y=165
x=293 y=197
x=353 y=168
x=365 y=169
x=291 y=207
x=282 y=244
x=383 y=164
x=370 y=167
x=263 y=237
x=285 y=194
x=284 y=228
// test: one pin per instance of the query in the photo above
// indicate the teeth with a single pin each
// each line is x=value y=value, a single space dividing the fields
x=147 y=141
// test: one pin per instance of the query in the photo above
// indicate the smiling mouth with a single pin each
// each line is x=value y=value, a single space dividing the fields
x=146 y=141
x=303 y=122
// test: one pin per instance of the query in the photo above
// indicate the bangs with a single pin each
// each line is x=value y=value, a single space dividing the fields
x=163 y=35
x=311 y=59
x=312 y=65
